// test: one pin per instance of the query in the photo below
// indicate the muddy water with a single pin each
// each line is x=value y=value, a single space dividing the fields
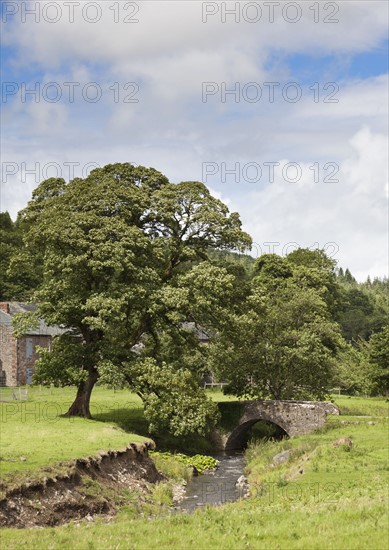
x=215 y=488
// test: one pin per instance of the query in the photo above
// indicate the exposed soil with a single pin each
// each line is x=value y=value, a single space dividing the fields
x=94 y=485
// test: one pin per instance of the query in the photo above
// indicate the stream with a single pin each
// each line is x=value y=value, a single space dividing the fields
x=216 y=487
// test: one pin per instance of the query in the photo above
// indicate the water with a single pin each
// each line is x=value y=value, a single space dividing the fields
x=216 y=487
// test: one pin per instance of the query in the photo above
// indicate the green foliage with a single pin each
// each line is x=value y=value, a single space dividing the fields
x=357 y=318
x=124 y=256
x=312 y=259
x=202 y=463
x=379 y=358
x=19 y=274
x=173 y=399
x=313 y=268
x=230 y=412
x=110 y=376
x=363 y=314
x=364 y=307
x=172 y=467
x=271 y=270
x=22 y=322
x=354 y=373
x=10 y=242
x=60 y=366
x=244 y=262
x=283 y=344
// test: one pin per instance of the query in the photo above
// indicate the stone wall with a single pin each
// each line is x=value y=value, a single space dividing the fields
x=25 y=362
x=8 y=355
x=14 y=356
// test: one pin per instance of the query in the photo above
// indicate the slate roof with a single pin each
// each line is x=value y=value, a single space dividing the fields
x=42 y=330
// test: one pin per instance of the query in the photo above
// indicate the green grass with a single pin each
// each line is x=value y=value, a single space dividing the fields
x=220 y=397
x=338 y=502
x=373 y=406
x=175 y=470
x=33 y=434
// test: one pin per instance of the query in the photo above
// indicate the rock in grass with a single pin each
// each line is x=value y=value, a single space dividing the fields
x=281 y=458
x=241 y=481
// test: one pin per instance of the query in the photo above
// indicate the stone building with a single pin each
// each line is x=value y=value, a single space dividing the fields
x=18 y=355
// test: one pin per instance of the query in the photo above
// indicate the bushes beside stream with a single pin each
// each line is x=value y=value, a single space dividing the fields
x=179 y=465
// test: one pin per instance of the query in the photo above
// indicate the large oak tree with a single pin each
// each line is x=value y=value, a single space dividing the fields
x=125 y=266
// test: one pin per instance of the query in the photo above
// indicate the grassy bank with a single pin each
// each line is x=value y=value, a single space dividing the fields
x=324 y=497
x=34 y=435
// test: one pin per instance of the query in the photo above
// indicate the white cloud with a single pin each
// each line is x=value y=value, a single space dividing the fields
x=170 y=53
x=351 y=213
x=169 y=27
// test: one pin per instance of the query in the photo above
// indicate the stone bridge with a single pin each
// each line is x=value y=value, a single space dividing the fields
x=293 y=417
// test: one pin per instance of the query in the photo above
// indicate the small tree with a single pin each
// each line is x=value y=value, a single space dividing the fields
x=379 y=359
x=354 y=372
x=284 y=344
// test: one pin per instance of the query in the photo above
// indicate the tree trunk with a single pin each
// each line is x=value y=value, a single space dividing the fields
x=80 y=406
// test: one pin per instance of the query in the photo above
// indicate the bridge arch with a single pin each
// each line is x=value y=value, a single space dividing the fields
x=292 y=417
x=238 y=437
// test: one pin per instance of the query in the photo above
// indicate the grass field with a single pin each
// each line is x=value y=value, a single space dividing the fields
x=34 y=435
x=325 y=497
x=361 y=406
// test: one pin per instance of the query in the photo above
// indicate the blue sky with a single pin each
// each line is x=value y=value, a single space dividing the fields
x=305 y=67
x=170 y=54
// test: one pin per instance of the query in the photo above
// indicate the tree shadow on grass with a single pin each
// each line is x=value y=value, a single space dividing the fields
x=131 y=419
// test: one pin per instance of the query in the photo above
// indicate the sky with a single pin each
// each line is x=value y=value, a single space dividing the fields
x=280 y=108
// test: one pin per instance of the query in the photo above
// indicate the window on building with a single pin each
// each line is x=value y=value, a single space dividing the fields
x=3 y=378
x=29 y=348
